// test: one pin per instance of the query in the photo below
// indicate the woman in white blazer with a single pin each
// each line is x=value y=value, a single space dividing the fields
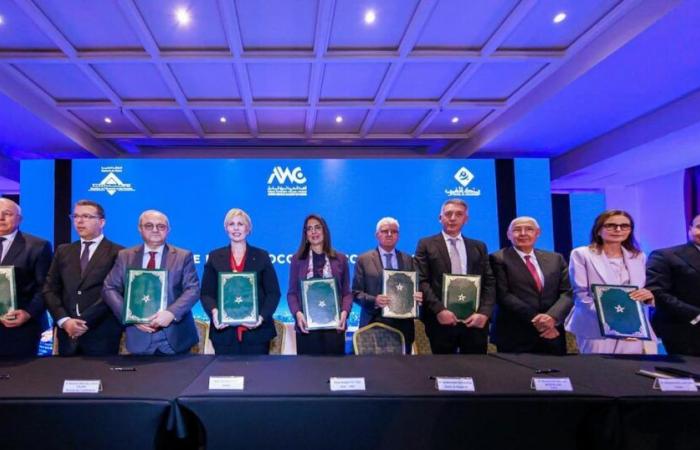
x=613 y=257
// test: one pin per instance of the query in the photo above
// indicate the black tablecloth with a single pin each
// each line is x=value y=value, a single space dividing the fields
x=287 y=403
x=131 y=412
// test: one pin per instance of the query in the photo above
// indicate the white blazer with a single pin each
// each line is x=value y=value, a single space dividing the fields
x=586 y=268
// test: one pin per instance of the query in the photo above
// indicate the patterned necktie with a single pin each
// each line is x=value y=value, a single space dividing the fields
x=533 y=272
x=152 y=261
x=387 y=261
x=2 y=239
x=455 y=260
x=85 y=256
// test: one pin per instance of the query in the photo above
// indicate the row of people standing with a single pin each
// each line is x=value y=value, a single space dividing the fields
x=525 y=292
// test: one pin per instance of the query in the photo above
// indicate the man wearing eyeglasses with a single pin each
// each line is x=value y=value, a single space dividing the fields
x=171 y=330
x=73 y=288
x=673 y=275
x=367 y=283
x=533 y=293
x=30 y=257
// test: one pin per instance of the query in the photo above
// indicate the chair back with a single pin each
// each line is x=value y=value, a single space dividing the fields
x=277 y=343
x=378 y=339
x=421 y=343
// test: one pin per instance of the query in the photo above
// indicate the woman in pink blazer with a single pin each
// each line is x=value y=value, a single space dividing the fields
x=613 y=257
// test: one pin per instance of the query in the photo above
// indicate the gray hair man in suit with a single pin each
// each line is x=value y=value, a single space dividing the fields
x=172 y=330
x=20 y=329
x=368 y=280
x=533 y=293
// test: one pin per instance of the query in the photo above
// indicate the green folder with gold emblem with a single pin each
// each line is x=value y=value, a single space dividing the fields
x=319 y=298
x=619 y=316
x=8 y=290
x=399 y=286
x=460 y=294
x=237 y=301
x=145 y=294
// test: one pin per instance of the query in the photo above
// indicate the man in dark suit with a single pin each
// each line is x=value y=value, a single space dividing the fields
x=449 y=252
x=20 y=329
x=368 y=280
x=171 y=330
x=73 y=288
x=533 y=294
x=673 y=275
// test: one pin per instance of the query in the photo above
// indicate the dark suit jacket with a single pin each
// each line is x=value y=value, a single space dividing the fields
x=518 y=300
x=257 y=260
x=673 y=275
x=69 y=294
x=433 y=260
x=183 y=292
x=368 y=280
x=340 y=271
x=31 y=258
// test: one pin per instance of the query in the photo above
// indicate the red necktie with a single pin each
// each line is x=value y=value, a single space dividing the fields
x=151 y=261
x=533 y=272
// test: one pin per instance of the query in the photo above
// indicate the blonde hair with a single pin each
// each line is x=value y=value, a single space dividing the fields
x=238 y=212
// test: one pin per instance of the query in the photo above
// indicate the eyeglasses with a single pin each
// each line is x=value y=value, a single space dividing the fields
x=150 y=226
x=83 y=216
x=314 y=228
x=615 y=226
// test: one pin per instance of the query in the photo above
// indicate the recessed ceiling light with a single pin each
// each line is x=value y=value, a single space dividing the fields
x=338 y=119
x=222 y=119
x=108 y=120
x=559 y=18
x=370 y=16
x=455 y=119
x=183 y=17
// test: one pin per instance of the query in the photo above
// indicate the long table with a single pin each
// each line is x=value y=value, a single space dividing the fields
x=287 y=403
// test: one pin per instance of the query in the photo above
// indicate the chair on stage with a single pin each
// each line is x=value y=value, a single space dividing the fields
x=378 y=339
x=421 y=343
x=571 y=346
x=277 y=343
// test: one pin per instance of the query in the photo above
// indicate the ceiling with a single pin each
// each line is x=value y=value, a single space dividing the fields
x=442 y=78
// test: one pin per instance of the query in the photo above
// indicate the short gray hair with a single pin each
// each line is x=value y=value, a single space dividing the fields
x=454 y=201
x=154 y=211
x=386 y=221
x=523 y=219
x=13 y=203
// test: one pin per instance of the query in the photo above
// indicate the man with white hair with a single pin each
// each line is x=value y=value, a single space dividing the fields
x=30 y=256
x=368 y=280
x=533 y=293
x=172 y=330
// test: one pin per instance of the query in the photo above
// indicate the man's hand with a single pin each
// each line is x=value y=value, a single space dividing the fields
x=476 y=320
x=643 y=295
x=301 y=322
x=418 y=296
x=552 y=333
x=343 y=321
x=75 y=327
x=16 y=318
x=382 y=300
x=215 y=319
x=543 y=322
x=145 y=328
x=161 y=319
x=447 y=317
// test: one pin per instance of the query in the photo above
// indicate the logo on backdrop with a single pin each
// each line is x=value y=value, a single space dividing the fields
x=111 y=183
x=286 y=183
x=463 y=177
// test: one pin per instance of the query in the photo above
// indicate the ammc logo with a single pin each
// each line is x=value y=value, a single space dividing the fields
x=284 y=182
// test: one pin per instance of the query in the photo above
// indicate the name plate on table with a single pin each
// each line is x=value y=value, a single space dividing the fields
x=455 y=384
x=675 y=385
x=551 y=384
x=226 y=383
x=347 y=384
x=82 y=386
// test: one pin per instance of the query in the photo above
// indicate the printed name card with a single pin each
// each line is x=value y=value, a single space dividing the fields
x=676 y=385
x=230 y=383
x=347 y=384
x=82 y=386
x=456 y=384
x=551 y=384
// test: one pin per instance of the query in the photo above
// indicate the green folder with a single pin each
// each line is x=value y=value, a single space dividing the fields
x=320 y=303
x=400 y=286
x=146 y=294
x=237 y=300
x=619 y=316
x=460 y=294
x=8 y=290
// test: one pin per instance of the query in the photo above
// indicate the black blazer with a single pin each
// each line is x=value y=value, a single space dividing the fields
x=69 y=294
x=518 y=300
x=368 y=280
x=673 y=275
x=433 y=260
x=31 y=258
x=257 y=260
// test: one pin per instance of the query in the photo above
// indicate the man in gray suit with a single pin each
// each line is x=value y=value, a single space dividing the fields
x=172 y=330
x=368 y=280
